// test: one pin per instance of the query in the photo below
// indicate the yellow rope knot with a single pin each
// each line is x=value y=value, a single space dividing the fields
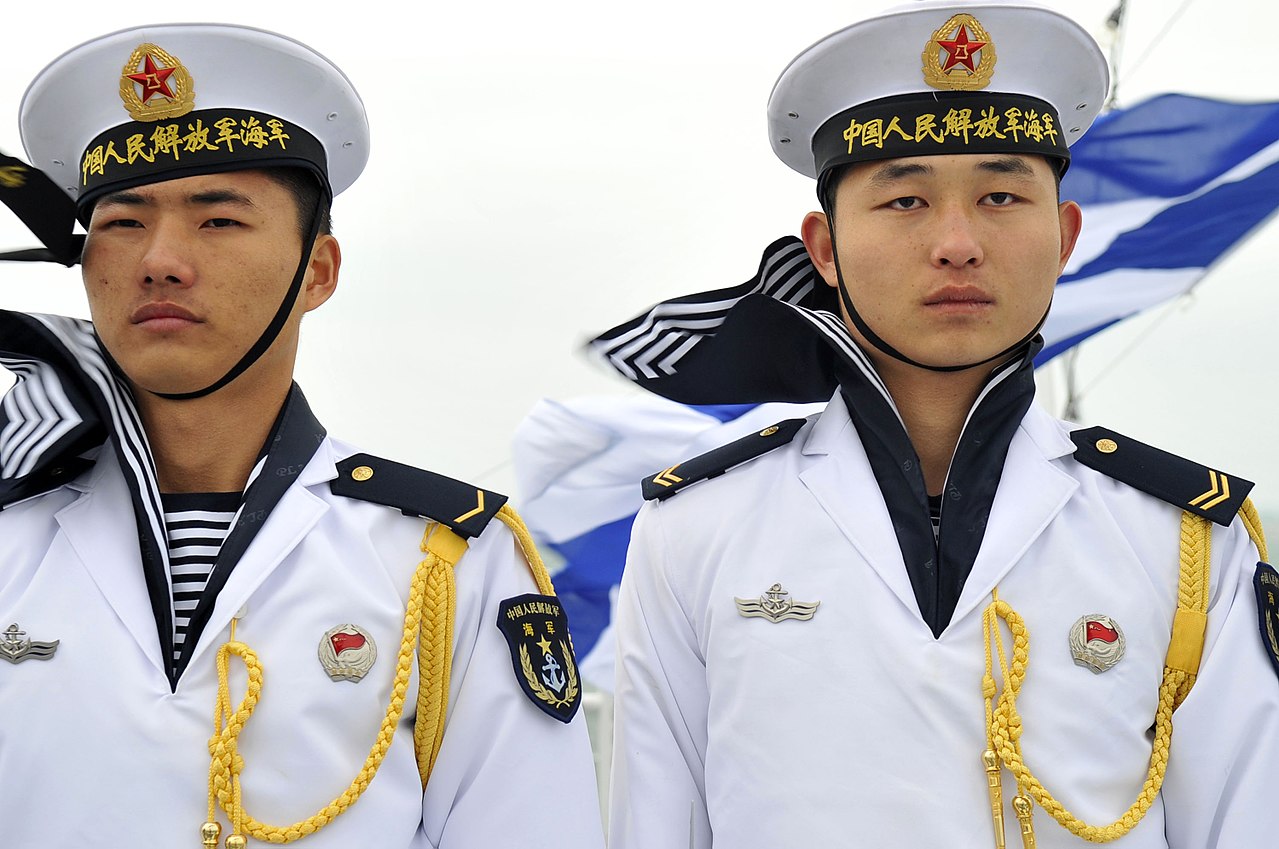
x=1004 y=723
x=428 y=631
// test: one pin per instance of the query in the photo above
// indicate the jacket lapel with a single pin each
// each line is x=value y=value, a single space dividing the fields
x=92 y=525
x=296 y=513
x=1031 y=493
x=840 y=479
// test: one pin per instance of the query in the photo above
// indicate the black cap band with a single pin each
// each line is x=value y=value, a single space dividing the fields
x=201 y=142
x=943 y=122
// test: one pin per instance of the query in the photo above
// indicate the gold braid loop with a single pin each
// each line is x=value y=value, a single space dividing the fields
x=513 y=521
x=428 y=615
x=1252 y=521
x=1004 y=723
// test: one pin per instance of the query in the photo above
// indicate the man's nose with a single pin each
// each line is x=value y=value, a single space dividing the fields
x=958 y=243
x=167 y=258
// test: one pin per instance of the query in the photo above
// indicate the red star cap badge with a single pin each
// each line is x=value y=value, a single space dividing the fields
x=960 y=51
x=154 y=79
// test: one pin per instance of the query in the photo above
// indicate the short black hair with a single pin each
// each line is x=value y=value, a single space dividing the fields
x=311 y=200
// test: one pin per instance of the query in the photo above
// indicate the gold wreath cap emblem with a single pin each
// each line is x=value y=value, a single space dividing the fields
x=960 y=55
x=155 y=86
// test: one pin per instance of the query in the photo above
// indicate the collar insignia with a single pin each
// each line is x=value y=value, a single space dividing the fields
x=959 y=56
x=775 y=605
x=1096 y=642
x=154 y=85
x=15 y=647
x=347 y=652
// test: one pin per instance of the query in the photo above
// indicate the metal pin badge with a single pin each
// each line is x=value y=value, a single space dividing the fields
x=775 y=605
x=1096 y=642
x=15 y=647
x=347 y=652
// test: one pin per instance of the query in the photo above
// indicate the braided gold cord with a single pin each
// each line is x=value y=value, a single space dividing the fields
x=513 y=521
x=1252 y=521
x=1004 y=724
x=434 y=656
x=430 y=600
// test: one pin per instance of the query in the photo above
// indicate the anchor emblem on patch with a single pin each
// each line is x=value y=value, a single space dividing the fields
x=775 y=605
x=536 y=631
x=15 y=647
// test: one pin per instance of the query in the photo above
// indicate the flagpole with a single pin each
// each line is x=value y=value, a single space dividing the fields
x=1114 y=23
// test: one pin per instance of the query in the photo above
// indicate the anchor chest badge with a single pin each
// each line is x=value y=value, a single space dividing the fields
x=775 y=605
x=536 y=631
x=16 y=647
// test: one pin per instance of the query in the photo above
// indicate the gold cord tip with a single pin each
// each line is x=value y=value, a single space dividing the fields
x=237 y=841
x=1025 y=810
x=209 y=834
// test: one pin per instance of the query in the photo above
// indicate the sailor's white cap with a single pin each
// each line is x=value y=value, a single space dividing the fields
x=937 y=67
x=159 y=102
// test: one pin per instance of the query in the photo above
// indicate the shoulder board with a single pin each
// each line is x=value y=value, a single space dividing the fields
x=1207 y=492
x=41 y=481
x=463 y=508
x=714 y=463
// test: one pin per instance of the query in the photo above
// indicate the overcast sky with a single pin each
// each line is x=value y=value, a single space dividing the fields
x=542 y=171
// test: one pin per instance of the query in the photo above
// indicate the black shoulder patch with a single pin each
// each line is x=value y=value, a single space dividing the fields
x=1207 y=492
x=714 y=463
x=1266 y=583
x=461 y=507
x=536 y=631
x=41 y=481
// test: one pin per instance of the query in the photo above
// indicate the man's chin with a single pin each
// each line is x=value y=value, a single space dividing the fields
x=170 y=380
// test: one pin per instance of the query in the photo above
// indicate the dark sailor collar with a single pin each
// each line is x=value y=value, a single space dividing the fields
x=68 y=402
x=778 y=337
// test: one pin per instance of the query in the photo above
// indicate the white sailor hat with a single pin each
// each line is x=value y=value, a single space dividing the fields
x=172 y=100
x=936 y=77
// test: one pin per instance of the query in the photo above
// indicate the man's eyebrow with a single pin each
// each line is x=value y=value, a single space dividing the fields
x=1010 y=165
x=217 y=196
x=887 y=174
x=123 y=198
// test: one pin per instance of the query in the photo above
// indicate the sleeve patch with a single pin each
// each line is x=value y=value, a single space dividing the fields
x=1266 y=583
x=536 y=632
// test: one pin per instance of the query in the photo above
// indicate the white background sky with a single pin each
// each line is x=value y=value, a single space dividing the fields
x=542 y=171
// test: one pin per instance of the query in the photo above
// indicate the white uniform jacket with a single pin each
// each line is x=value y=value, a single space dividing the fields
x=96 y=751
x=859 y=728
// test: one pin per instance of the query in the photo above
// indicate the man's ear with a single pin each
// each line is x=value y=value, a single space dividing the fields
x=1071 y=220
x=815 y=231
x=322 y=272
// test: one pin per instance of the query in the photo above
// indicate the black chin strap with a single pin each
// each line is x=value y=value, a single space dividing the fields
x=272 y=330
x=874 y=338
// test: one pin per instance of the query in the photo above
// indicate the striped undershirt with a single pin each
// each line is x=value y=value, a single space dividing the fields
x=934 y=515
x=197 y=524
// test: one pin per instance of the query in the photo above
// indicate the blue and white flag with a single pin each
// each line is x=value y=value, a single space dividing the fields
x=1167 y=186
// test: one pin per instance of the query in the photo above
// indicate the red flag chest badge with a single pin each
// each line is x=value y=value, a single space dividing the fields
x=1096 y=642
x=347 y=652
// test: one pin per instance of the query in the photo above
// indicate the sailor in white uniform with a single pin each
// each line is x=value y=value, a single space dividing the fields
x=222 y=626
x=931 y=615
